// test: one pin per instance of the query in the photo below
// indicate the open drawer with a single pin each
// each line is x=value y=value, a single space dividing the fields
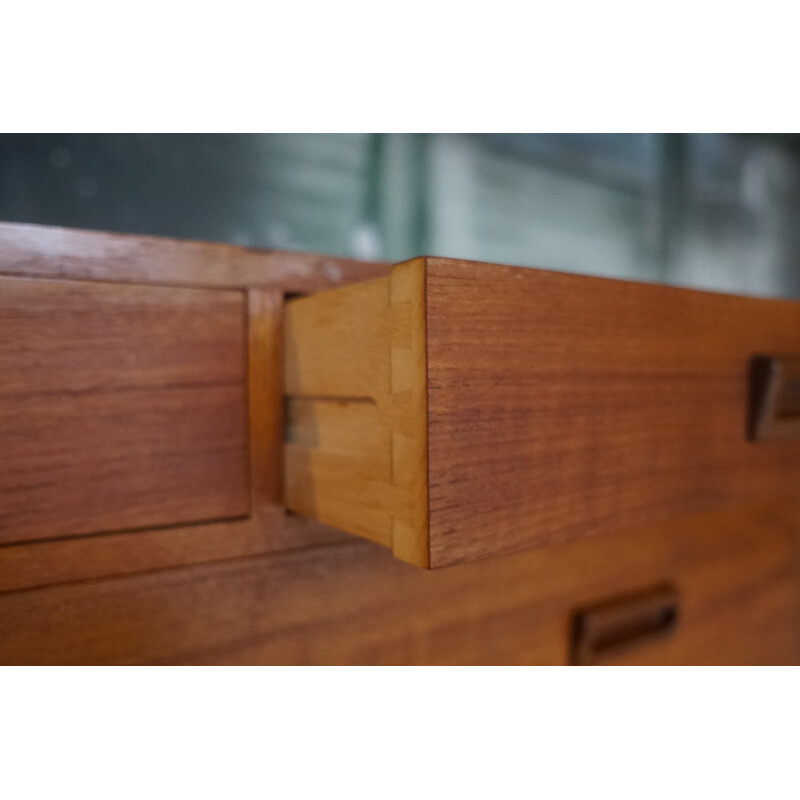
x=455 y=410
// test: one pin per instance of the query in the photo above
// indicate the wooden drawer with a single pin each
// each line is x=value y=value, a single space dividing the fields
x=734 y=575
x=456 y=410
x=121 y=407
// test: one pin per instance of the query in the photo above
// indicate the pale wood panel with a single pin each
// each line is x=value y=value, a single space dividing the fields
x=337 y=379
x=354 y=376
x=409 y=413
x=338 y=457
x=561 y=406
x=735 y=574
x=120 y=407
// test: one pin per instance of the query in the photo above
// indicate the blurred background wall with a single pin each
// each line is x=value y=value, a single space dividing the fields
x=718 y=211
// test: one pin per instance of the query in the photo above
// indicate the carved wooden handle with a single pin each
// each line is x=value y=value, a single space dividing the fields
x=775 y=398
x=622 y=623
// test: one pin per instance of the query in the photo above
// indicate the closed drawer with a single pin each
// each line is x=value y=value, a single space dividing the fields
x=454 y=411
x=121 y=407
x=733 y=580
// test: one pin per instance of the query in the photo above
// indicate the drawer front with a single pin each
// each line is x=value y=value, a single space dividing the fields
x=733 y=574
x=121 y=407
x=555 y=407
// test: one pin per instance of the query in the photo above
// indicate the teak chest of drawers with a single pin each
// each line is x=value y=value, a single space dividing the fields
x=595 y=471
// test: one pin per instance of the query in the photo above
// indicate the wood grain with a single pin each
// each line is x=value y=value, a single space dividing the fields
x=121 y=407
x=86 y=257
x=271 y=587
x=556 y=406
x=409 y=413
x=353 y=603
x=57 y=561
x=265 y=395
x=355 y=453
x=562 y=406
x=267 y=529
x=50 y=252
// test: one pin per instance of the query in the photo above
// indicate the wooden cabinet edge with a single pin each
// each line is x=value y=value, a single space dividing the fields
x=355 y=383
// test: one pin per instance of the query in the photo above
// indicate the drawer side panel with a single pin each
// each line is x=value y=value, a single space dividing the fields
x=562 y=406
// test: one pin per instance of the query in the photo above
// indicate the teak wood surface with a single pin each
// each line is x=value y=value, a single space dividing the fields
x=264 y=586
x=735 y=574
x=554 y=406
x=121 y=407
x=259 y=280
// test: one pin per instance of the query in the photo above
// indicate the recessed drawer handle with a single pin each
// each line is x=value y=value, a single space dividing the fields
x=617 y=625
x=775 y=398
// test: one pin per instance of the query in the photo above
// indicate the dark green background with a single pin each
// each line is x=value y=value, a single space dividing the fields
x=709 y=210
